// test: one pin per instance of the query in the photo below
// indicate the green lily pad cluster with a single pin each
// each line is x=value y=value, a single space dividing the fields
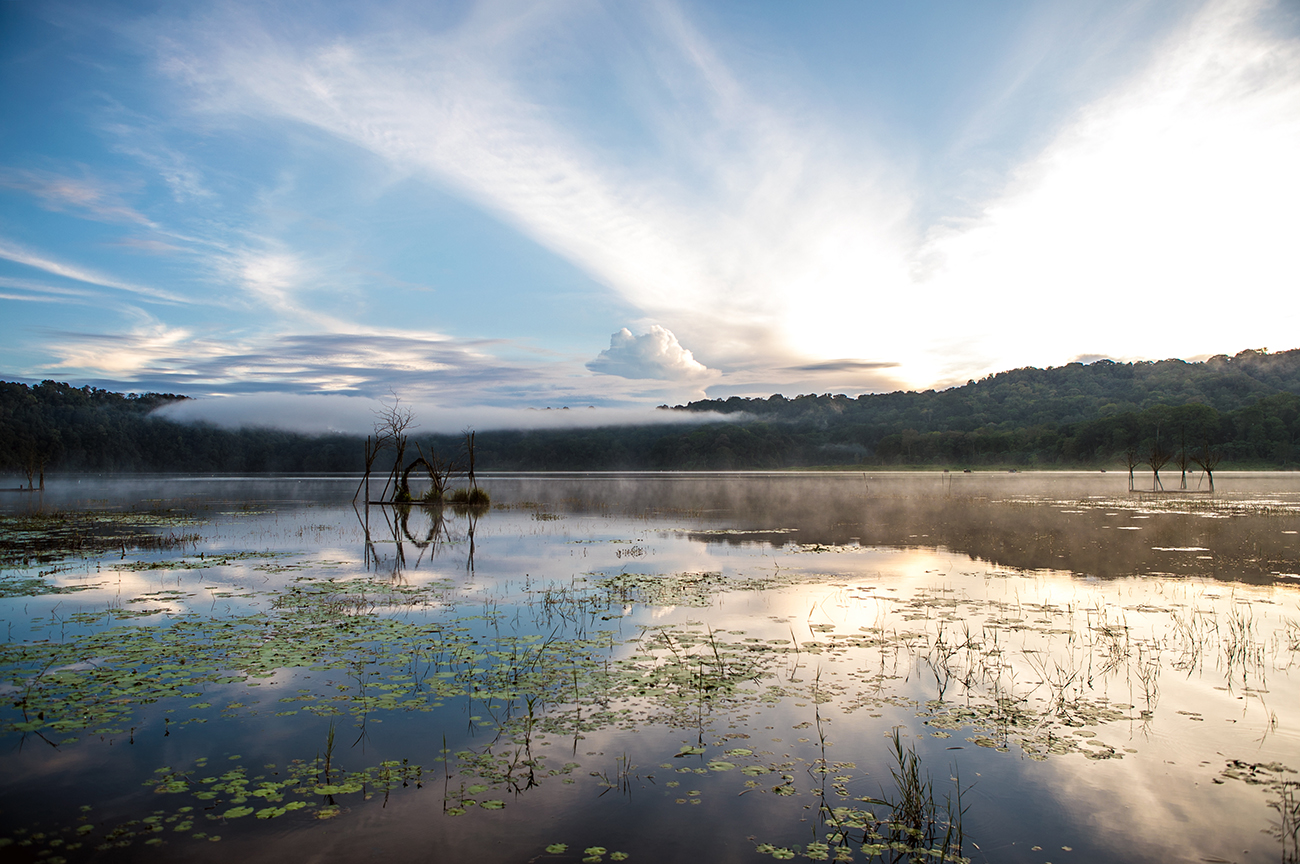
x=21 y=584
x=511 y=769
x=664 y=589
x=211 y=799
x=532 y=668
x=590 y=855
x=202 y=561
x=99 y=682
x=41 y=536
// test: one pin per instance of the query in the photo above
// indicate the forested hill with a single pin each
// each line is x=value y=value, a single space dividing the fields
x=57 y=427
x=1246 y=408
x=1033 y=397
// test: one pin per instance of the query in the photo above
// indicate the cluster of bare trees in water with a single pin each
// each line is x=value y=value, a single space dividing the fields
x=401 y=509
x=1206 y=458
x=391 y=436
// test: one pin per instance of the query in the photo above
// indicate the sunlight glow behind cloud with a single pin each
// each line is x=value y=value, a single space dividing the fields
x=1166 y=209
x=1149 y=203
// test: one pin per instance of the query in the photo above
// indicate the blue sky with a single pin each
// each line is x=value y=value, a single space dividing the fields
x=493 y=206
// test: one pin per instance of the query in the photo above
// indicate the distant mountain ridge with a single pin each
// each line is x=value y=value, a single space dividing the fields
x=1246 y=407
x=1073 y=393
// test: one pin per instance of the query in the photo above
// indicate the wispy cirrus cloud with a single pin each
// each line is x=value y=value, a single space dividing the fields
x=152 y=355
x=45 y=292
x=767 y=237
x=84 y=196
x=20 y=255
x=147 y=245
x=717 y=244
x=269 y=276
x=180 y=174
x=766 y=243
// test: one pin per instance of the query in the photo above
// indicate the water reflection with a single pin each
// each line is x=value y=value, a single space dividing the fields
x=1083 y=522
x=673 y=667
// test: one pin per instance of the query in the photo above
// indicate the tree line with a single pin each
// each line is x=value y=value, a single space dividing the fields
x=1245 y=409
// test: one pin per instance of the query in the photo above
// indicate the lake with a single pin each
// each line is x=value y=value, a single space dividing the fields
x=1033 y=667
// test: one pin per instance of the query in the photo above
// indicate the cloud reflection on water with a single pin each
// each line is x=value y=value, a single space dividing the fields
x=834 y=565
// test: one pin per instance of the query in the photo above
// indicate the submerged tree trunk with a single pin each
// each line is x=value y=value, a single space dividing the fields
x=1208 y=459
x=29 y=467
x=1131 y=461
x=1157 y=459
x=372 y=450
x=1183 y=460
x=469 y=448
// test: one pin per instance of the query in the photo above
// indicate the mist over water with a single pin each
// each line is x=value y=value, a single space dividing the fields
x=671 y=666
x=355 y=415
x=1084 y=522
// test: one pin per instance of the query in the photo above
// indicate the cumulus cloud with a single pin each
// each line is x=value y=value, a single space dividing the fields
x=655 y=354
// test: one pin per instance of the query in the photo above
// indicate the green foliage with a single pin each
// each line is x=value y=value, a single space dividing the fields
x=58 y=427
x=1078 y=414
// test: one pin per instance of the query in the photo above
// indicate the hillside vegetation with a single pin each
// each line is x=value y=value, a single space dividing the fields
x=1246 y=407
x=1076 y=414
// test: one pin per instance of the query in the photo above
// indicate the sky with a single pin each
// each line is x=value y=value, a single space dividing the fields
x=486 y=208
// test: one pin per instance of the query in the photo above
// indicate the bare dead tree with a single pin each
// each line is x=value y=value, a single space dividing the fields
x=1184 y=460
x=1207 y=459
x=1131 y=461
x=29 y=464
x=1157 y=459
x=392 y=421
x=469 y=453
x=371 y=452
x=35 y=450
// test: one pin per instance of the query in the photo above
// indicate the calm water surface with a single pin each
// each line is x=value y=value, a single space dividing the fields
x=666 y=667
